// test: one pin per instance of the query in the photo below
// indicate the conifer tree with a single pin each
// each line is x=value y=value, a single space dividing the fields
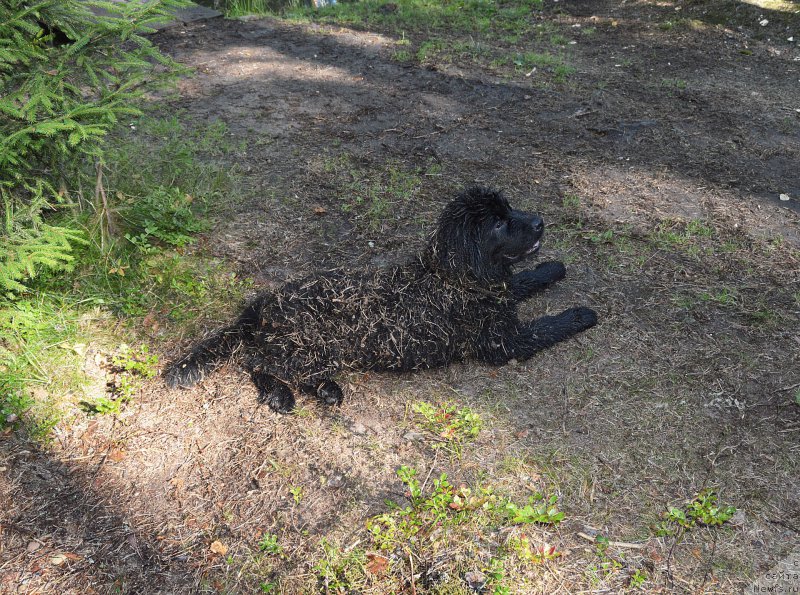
x=69 y=70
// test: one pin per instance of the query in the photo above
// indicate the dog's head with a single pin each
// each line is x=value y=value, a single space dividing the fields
x=480 y=235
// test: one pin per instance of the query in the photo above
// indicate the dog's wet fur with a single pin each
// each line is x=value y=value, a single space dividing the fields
x=457 y=300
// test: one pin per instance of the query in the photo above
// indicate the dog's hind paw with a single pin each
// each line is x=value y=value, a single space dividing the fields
x=280 y=399
x=330 y=393
x=272 y=391
x=183 y=374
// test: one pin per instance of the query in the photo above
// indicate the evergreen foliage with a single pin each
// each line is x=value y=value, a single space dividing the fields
x=69 y=70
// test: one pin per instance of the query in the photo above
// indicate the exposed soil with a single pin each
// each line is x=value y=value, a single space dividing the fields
x=677 y=389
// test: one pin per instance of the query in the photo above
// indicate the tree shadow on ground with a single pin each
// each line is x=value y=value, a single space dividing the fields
x=61 y=526
x=726 y=124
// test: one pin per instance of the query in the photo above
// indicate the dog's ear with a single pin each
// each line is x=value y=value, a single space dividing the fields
x=481 y=203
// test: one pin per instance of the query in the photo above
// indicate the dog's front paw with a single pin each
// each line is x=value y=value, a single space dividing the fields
x=280 y=399
x=581 y=318
x=550 y=272
x=525 y=283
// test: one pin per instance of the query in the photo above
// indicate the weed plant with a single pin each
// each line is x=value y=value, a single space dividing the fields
x=445 y=527
x=702 y=510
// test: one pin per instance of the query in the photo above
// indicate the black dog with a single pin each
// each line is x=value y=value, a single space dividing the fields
x=457 y=300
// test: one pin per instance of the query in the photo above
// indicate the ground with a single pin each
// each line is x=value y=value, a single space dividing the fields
x=657 y=148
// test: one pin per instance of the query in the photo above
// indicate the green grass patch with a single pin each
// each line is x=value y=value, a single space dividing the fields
x=341 y=571
x=669 y=83
x=430 y=49
x=530 y=62
x=724 y=296
x=446 y=516
x=674 y=24
x=42 y=352
x=455 y=17
x=452 y=426
x=371 y=196
x=240 y=8
x=458 y=20
x=676 y=234
x=163 y=152
x=129 y=369
x=445 y=32
x=402 y=56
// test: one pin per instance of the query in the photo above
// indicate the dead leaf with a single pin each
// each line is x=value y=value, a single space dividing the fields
x=58 y=559
x=377 y=564
x=320 y=210
x=149 y=321
x=219 y=548
x=116 y=455
x=33 y=546
x=654 y=555
x=533 y=487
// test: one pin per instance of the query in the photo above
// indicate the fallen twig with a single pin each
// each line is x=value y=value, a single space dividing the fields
x=622 y=544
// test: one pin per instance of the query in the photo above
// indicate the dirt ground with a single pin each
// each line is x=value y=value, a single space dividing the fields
x=688 y=382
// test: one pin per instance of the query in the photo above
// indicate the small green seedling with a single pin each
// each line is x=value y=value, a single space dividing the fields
x=538 y=510
x=638 y=578
x=269 y=544
x=129 y=370
x=297 y=493
x=530 y=552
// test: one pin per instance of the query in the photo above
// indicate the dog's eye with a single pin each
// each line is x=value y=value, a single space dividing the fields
x=500 y=225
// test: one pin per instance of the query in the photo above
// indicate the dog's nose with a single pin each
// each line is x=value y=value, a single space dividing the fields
x=537 y=223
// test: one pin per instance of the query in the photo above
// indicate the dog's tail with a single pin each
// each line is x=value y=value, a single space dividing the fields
x=211 y=353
